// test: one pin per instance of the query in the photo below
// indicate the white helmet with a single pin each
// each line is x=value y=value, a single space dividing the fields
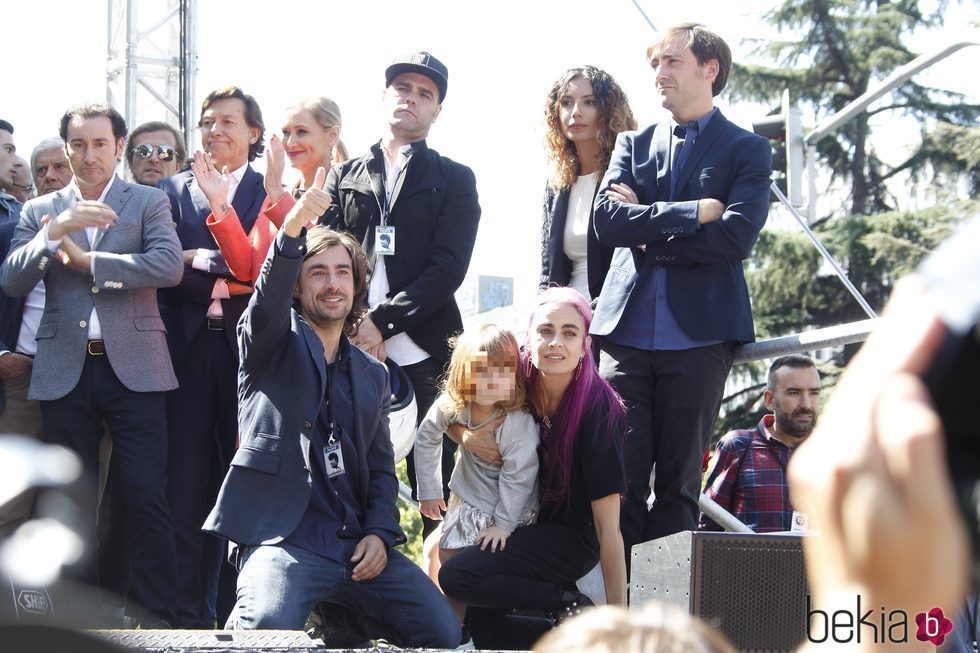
x=403 y=416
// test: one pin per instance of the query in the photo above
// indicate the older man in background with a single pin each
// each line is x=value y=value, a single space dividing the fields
x=49 y=166
x=154 y=151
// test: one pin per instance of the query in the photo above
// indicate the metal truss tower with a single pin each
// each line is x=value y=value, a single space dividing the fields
x=151 y=63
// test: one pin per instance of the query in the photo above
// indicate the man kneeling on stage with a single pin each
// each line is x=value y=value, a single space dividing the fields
x=310 y=496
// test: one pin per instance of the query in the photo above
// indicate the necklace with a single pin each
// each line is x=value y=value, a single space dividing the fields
x=546 y=421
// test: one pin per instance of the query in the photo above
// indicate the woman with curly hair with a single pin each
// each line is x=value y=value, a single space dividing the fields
x=585 y=111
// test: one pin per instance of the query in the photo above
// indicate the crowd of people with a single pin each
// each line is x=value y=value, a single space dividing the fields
x=218 y=348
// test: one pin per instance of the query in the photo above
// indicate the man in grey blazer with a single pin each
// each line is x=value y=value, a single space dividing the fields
x=102 y=247
x=310 y=498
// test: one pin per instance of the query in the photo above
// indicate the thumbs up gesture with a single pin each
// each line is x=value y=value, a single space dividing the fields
x=309 y=208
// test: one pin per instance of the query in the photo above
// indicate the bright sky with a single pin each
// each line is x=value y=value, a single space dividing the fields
x=502 y=58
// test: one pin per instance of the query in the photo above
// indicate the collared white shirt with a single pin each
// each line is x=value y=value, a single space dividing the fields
x=399 y=347
x=234 y=179
x=29 y=321
x=94 y=328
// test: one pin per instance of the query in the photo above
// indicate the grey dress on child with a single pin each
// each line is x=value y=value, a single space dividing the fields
x=482 y=494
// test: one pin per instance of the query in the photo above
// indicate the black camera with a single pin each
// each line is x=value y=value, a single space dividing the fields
x=952 y=274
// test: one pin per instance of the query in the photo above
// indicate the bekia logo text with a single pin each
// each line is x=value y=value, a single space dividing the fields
x=878 y=627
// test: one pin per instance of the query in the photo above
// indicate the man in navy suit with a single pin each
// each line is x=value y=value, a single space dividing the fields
x=683 y=202
x=310 y=498
x=201 y=314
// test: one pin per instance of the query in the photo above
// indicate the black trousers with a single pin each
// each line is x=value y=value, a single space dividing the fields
x=202 y=417
x=672 y=400
x=137 y=424
x=538 y=565
x=425 y=376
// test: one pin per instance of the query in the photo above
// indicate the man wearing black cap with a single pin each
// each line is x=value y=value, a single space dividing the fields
x=416 y=214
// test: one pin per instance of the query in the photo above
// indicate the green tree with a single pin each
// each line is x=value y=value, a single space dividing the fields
x=844 y=47
x=411 y=521
x=837 y=51
x=792 y=291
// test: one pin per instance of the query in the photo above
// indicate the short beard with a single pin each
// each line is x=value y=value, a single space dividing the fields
x=786 y=426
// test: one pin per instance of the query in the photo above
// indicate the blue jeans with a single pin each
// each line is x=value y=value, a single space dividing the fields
x=279 y=584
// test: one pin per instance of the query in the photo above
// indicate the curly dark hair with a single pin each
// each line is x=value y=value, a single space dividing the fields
x=616 y=116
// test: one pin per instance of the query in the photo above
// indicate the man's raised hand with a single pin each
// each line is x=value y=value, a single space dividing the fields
x=310 y=207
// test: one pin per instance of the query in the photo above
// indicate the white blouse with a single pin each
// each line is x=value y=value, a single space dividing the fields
x=575 y=241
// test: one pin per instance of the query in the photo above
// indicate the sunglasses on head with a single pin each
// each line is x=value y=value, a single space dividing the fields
x=145 y=151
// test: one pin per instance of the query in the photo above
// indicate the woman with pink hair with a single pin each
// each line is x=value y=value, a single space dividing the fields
x=581 y=480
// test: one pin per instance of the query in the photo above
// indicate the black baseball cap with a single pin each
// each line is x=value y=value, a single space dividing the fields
x=423 y=63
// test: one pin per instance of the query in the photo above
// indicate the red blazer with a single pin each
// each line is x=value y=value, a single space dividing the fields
x=243 y=253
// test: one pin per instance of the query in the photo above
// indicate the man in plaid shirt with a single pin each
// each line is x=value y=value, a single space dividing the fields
x=748 y=472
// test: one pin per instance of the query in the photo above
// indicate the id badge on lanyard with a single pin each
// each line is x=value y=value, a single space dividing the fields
x=384 y=234
x=333 y=459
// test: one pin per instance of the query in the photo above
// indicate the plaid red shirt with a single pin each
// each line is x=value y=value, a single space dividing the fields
x=748 y=479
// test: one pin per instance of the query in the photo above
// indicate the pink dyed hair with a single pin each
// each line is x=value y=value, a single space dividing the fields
x=589 y=392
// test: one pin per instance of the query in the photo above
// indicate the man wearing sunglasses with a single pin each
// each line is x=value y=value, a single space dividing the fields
x=155 y=150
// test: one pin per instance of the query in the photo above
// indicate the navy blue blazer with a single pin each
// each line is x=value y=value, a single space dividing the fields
x=281 y=384
x=185 y=306
x=705 y=282
x=11 y=308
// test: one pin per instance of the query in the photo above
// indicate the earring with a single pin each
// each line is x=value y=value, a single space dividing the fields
x=578 y=368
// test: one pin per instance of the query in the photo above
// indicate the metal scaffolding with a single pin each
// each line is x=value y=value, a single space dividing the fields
x=151 y=62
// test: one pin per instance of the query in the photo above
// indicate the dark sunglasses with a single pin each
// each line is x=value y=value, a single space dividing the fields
x=145 y=151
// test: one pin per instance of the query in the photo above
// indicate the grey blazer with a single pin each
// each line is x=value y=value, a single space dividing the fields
x=137 y=255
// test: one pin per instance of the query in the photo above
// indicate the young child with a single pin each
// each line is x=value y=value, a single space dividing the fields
x=487 y=501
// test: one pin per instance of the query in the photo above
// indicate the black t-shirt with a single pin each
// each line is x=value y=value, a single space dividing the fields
x=597 y=471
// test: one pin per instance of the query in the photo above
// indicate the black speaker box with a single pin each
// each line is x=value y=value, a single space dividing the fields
x=751 y=587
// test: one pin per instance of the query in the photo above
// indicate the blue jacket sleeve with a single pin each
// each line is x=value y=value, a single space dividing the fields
x=620 y=224
x=731 y=237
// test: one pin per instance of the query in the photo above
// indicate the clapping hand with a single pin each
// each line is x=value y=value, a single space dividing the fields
x=275 y=164
x=212 y=183
x=82 y=214
x=74 y=256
